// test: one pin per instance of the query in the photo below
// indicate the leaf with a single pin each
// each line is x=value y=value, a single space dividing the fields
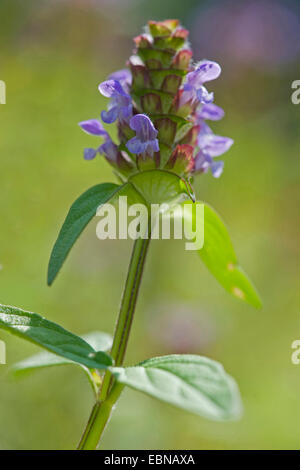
x=52 y=337
x=80 y=214
x=193 y=383
x=97 y=340
x=219 y=257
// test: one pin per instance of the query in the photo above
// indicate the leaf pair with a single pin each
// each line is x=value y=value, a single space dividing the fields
x=151 y=187
x=157 y=187
x=192 y=383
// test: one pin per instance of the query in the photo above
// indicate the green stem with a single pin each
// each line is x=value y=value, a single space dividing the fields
x=110 y=390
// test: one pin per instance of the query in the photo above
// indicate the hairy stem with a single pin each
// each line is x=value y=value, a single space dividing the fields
x=110 y=390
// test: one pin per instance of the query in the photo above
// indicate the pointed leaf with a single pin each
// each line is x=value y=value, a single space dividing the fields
x=80 y=214
x=50 y=336
x=219 y=257
x=193 y=383
x=98 y=340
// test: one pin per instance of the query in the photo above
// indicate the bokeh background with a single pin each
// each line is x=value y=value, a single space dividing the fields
x=53 y=55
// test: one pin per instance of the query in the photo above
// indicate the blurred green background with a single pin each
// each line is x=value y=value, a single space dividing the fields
x=53 y=56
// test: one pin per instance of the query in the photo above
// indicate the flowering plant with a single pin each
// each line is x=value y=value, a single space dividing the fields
x=161 y=107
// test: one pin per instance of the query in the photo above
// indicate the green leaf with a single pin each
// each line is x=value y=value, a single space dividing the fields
x=193 y=383
x=80 y=214
x=219 y=257
x=99 y=341
x=50 y=336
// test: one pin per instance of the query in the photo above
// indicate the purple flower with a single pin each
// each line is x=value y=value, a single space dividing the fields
x=89 y=153
x=213 y=145
x=108 y=148
x=209 y=111
x=113 y=155
x=145 y=141
x=206 y=70
x=203 y=95
x=123 y=76
x=120 y=106
x=193 y=89
x=217 y=168
x=93 y=127
x=203 y=162
x=210 y=146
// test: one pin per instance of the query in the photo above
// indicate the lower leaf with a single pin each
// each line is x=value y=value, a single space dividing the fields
x=97 y=340
x=193 y=383
x=50 y=336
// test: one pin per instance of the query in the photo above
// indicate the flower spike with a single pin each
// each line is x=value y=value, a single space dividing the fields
x=161 y=105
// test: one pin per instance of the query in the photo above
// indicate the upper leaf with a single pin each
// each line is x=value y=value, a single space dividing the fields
x=52 y=337
x=193 y=383
x=219 y=257
x=80 y=213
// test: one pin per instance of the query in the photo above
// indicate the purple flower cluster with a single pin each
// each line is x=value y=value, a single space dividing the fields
x=146 y=124
x=120 y=107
